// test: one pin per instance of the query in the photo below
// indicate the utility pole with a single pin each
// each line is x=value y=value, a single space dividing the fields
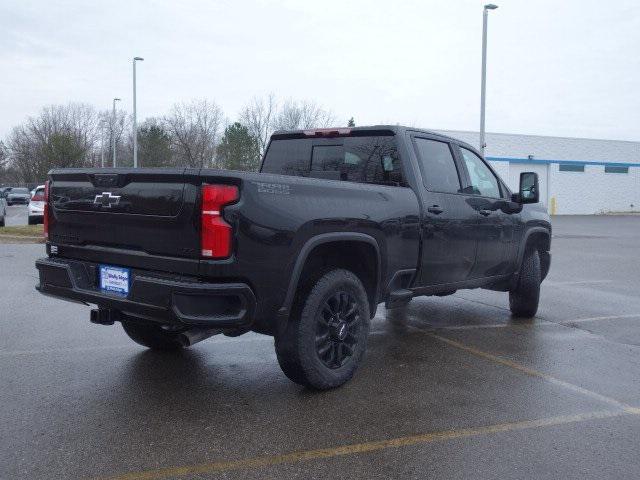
x=483 y=80
x=102 y=144
x=113 y=130
x=135 y=118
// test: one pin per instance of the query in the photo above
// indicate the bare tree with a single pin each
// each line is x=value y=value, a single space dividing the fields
x=116 y=128
x=61 y=136
x=296 y=115
x=193 y=128
x=263 y=116
x=258 y=117
x=7 y=174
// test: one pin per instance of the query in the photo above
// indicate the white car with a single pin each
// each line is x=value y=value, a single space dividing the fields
x=36 y=206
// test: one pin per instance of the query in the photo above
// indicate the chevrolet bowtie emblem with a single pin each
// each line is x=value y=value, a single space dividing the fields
x=106 y=200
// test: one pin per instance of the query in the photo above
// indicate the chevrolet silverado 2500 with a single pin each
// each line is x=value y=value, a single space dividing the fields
x=336 y=222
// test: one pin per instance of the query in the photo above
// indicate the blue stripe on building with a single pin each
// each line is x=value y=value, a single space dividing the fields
x=547 y=162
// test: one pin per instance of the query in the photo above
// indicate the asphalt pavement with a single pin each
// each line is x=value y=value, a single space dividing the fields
x=451 y=387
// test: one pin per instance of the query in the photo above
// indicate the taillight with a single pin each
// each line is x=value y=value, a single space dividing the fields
x=216 y=235
x=45 y=220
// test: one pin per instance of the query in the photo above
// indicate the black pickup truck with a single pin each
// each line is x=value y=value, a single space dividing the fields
x=336 y=222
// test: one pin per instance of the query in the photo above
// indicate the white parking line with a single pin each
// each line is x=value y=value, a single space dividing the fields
x=552 y=283
x=608 y=317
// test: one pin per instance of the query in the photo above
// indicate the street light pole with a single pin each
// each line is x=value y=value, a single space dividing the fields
x=135 y=119
x=102 y=143
x=483 y=80
x=113 y=130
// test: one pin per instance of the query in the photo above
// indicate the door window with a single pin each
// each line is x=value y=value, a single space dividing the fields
x=483 y=181
x=437 y=165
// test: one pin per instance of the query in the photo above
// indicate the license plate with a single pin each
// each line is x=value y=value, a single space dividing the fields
x=114 y=279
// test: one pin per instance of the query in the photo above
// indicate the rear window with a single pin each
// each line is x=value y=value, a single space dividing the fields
x=19 y=190
x=365 y=159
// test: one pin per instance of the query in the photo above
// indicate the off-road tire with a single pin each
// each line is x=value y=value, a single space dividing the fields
x=524 y=298
x=152 y=336
x=300 y=343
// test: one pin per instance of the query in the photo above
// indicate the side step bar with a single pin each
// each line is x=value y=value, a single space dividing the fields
x=398 y=298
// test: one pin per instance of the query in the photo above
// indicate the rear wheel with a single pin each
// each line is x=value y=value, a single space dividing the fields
x=152 y=336
x=524 y=298
x=33 y=221
x=326 y=336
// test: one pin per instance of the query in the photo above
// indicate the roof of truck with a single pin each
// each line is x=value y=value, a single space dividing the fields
x=396 y=129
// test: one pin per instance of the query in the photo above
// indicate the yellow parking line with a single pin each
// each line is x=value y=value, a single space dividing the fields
x=366 y=447
x=621 y=409
x=533 y=373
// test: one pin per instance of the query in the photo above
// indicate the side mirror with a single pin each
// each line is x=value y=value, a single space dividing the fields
x=528 y=192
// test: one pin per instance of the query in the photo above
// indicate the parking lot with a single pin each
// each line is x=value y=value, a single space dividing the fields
x=451 y=388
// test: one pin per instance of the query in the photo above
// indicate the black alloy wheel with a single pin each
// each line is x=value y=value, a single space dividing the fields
x=337 y=329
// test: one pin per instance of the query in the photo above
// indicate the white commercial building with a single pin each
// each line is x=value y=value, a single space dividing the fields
x=578 y=176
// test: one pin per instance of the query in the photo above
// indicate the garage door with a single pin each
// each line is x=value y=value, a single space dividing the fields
x=514 y=177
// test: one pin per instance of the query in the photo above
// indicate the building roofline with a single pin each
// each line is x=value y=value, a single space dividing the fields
x=541 y=136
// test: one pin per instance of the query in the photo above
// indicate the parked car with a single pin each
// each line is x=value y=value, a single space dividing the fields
x=3 y=211
x=4 y=191
x=335 y=222
x=18 y=196
x=36 y=206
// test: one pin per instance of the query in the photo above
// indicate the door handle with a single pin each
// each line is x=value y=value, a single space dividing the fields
x=486 y=213
x=435 y=209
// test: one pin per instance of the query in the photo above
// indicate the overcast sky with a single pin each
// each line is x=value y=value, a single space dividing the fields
x=563 y=67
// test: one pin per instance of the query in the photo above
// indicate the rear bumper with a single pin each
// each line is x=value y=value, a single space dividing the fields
x=164 y=298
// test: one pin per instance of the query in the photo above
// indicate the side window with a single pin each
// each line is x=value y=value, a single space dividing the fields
x=483 y=181
x=437 y=166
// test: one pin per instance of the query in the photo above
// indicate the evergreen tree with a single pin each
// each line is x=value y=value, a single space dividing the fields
x=154 y=146
x=238 y=150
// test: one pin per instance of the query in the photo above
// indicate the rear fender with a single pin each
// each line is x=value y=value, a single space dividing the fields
x=307 y=248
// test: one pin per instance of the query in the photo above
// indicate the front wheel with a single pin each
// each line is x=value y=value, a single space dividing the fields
x=326 y=336
x=524 y=298
x=152 y=336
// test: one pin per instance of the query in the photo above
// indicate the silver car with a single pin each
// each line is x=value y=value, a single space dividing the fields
x=18 y=195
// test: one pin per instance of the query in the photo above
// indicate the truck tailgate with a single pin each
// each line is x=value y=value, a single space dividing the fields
x=132 y=213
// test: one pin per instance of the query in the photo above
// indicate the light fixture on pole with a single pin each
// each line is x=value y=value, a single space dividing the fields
x=135 y=119
x=483 y=81
x=113 y=130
